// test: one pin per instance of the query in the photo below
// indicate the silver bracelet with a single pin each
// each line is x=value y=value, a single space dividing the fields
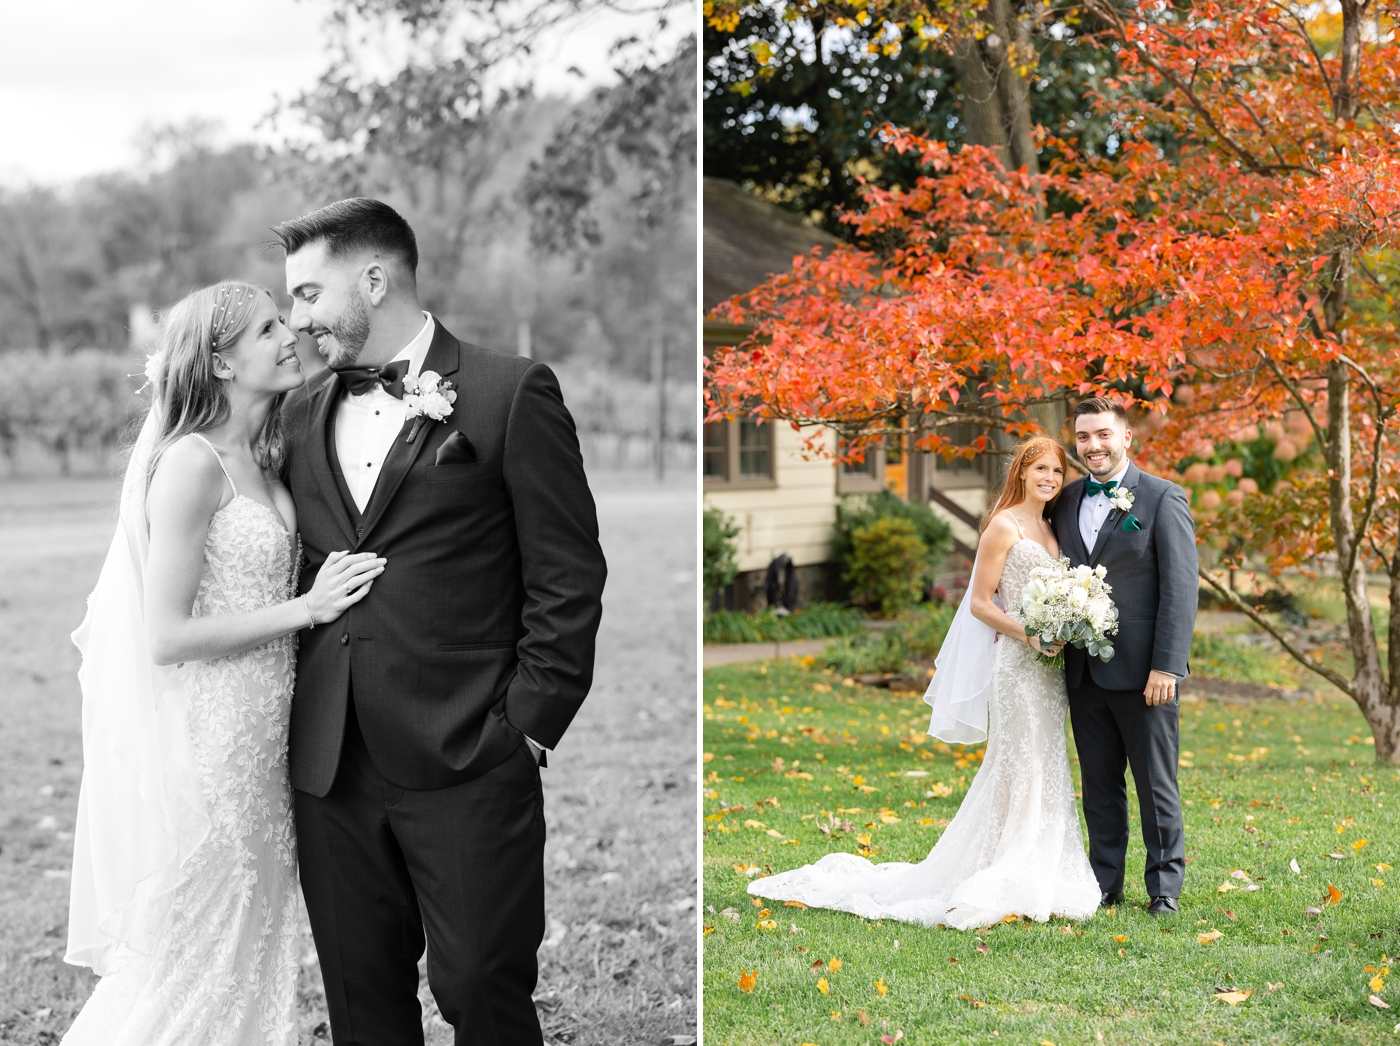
x=309 y=616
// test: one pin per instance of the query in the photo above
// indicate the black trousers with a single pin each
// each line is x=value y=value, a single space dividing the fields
x=383 y=867
x=1114 y=729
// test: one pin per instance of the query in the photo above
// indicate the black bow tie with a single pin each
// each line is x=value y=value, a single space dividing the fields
x=359 y=380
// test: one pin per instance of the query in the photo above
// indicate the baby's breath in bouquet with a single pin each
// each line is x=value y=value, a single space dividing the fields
x=1071 y=605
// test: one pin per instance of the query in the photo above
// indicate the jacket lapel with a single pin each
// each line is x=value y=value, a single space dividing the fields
x=443 y=357
x=317 y=444
x=1110 y=524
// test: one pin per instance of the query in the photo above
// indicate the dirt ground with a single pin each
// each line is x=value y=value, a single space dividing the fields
x=619 y=962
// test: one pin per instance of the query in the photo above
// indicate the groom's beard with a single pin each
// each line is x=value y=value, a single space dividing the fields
x=350 y=331
x=1110 y=465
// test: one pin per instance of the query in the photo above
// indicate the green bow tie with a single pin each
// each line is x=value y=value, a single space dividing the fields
x=1093 y=486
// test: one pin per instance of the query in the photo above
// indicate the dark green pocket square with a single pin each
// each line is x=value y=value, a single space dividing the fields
x=1131 y=523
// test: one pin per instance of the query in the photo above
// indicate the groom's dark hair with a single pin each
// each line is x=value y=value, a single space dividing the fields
x=352 y=225
x=1101 y=405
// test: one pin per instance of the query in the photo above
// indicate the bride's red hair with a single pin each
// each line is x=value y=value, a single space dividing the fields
x=1013 y=491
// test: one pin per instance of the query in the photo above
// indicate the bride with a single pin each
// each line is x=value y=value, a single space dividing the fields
x=1014 y=847
x=184 y=894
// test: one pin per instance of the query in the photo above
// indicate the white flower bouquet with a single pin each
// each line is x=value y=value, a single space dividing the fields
x=1068 y=604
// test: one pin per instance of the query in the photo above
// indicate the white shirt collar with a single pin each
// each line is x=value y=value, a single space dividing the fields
x=416 y=351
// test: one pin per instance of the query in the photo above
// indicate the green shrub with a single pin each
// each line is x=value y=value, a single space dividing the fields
x=857 y=511
x=857 y=655
x=814 y=621
x=924 y=635
x=887 y=566
x=721 y=553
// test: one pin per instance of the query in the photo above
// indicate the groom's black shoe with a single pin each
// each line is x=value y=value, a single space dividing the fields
x=1107 y=900
x=1163 y=906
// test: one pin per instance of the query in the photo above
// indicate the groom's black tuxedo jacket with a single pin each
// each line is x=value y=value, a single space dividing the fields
x=1153 y=574
x=482 y=626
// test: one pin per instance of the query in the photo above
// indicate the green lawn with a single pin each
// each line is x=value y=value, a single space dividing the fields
x=789 y=748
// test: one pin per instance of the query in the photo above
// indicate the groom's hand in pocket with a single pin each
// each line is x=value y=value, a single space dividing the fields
x=1161 y=688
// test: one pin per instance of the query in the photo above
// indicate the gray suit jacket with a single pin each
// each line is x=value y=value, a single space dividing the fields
x=1153 y=574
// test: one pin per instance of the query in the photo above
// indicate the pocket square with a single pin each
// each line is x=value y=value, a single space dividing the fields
x=1131 y=523
x=456 y=449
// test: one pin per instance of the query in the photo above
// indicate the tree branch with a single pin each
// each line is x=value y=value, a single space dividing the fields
x=1303 y=659
x=1297 y=396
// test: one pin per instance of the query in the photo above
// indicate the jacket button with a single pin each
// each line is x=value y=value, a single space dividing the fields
x=345 y=639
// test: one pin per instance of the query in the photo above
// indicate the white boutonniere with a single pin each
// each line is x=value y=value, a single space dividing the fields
x=427 y=396
x=1121 y=499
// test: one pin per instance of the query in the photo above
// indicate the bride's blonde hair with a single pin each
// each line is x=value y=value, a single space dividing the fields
x=1013 y=491
x=187 y=395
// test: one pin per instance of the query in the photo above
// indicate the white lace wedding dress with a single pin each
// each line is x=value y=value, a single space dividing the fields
x=1014 y=847
x=223 y=968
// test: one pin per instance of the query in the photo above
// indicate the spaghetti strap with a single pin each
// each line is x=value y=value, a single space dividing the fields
x=219 y=458
x=1008 y=511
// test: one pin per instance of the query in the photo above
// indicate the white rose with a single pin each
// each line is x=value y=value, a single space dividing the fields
x=428 y=381
x=436 y=405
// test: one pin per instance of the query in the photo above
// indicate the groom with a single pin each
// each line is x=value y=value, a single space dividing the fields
x=420 y=715
x=1125 y=711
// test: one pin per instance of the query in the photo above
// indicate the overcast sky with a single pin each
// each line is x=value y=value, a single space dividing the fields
x=79 y=78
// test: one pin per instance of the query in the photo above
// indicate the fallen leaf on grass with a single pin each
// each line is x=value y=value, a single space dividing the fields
x=707 y=930
x=1121 y=938
x=767 y=924
x=1339 y=857
x=1379 y=883
x=1334 y=896
x=1383 y=867
x=1360 y=844
x=751 y=823
x=1375 y=983
x=1207 y=938
x=974 y=1002
x=1274 y=987
x=1234 y=998
x=881 y=988
x=794 y=904
x=1225 y=887
x=817 y=965
x=823 y=985
x=730 y=914
x=1312 y=912
x=1294 y=865
x=1239 y=873
x=1378 y=1002
x=890 y=1040
x=747 y=980
x=938 y=790
x=1231 y=916
x=834 y=965
x=982 y=948
x=951 y=959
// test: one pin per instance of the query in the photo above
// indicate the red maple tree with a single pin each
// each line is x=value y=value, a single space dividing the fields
x=1235 y=290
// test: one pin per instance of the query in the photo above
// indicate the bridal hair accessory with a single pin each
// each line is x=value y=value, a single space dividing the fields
x=427 y=396
x=225 y=301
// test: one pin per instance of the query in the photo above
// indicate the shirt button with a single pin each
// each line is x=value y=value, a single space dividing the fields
x=376 y=414
x=345 y=639
x=369 y=464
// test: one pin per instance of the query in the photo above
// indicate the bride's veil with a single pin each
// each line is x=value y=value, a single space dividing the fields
x=140 y=810
x=962 y=677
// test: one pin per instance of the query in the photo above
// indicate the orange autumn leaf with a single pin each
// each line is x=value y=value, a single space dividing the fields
x=822 y=985
x=794 y=904
x=1334 y=895
x=747 y=980
x=834 y=965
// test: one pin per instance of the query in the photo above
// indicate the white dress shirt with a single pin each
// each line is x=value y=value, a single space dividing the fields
x=1094 y=510
x=366 y=425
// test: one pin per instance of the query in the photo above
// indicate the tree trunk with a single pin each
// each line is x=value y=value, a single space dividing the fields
x=995 y=96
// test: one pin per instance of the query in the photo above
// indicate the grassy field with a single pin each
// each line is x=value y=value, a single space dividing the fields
x=619 y=963
x=799 y=764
